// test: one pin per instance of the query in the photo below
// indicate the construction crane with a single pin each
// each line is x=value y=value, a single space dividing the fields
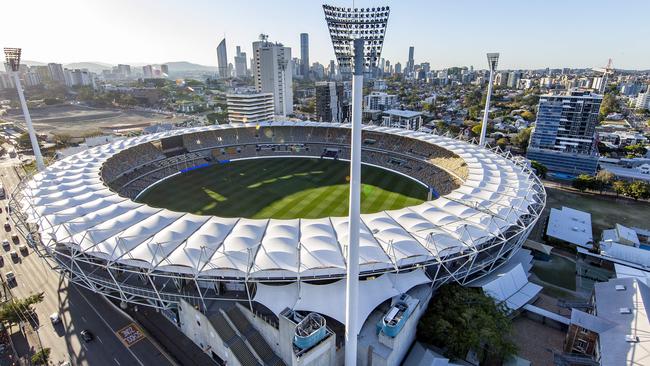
x=606 y=71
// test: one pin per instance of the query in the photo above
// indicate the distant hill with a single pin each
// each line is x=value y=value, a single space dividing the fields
x=32 y=63
x=184 y=66
x=96 y=67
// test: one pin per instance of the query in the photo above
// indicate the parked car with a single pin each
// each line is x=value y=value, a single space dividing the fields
x=5 y=244
x=86 y=335
x=14 y=255
x=23 y=249
x=15 y=238
x=10 y=276
x=7 y=226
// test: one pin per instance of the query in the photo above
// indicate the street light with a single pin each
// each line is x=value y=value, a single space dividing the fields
x=493 y=59
x=12 y=56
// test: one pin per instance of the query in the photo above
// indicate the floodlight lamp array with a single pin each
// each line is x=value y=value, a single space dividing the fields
x=12 y=56
x=493 y=60
x=347 y=24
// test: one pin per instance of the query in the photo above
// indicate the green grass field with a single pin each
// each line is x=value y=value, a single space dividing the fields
x=282 y=189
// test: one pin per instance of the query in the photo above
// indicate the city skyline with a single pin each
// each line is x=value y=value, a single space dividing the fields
x=529 y=36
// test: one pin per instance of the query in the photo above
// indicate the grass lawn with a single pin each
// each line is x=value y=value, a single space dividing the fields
x=558 y=271
x=282 y=189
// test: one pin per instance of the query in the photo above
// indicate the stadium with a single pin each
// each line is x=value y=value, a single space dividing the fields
x=121 y=219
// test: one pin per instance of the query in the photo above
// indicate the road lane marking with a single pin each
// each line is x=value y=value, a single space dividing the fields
x=84 y=319
x=116 y=361
x=99 y=339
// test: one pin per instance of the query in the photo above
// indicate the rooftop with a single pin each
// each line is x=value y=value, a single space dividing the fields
x=402 y=113
x=570 y=225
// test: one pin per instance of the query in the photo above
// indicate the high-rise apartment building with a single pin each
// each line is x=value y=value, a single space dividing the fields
x=250 y=107
x=78 y=77
x=124 y=70
x=56 y=72
x=398 y=68
x=331 y=105
x=241 y=67
x=273 y=73
x=164 y=69
x=147 y=71
x=304 y=54
x=643 y=100
x=380 y=101
x=42 y=71
x=564 y=136
x=222 y=59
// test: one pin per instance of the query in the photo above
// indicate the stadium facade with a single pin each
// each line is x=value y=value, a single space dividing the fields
x=81 y=215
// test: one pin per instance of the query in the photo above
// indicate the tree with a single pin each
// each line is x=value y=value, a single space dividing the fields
x=62 y=138
x=638 y=189
x=583 y=182
x=441 y=126
x=460 y=319
x=603 y=179
x=502 y=142
x=608 y=105
x=23 y=139
x=540 y=168
x=521 y=139
x=15 y=310
x=528 y=115
x=637 y=149
x=41 y=357
x=620 y=187
x=476 y=129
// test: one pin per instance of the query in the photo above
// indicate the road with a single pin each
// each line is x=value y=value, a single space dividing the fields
x=79 y=309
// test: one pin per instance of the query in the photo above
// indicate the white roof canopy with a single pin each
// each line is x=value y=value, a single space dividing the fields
x=72 y=206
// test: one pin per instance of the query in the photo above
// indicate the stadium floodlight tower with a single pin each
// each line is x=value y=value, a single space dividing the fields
x=12 y=56
x=493 y=59
x=357 y=36
x=347 y=24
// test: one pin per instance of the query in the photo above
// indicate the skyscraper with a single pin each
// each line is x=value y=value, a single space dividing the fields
x=241 y=67
x=164 y=69
x=273 y=73
x=222 y=59
x=398 y=68
x=332 y=70
x=304 y=54
x=564 y=136
x=410 y=64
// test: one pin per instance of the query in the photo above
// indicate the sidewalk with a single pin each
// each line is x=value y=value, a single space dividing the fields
x=170 y=337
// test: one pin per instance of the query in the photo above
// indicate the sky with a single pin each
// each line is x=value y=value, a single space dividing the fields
x=528 y=33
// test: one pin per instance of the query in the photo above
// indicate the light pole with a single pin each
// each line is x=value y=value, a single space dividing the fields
x=352 y=278
x=493 y=58
x=12 y=55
